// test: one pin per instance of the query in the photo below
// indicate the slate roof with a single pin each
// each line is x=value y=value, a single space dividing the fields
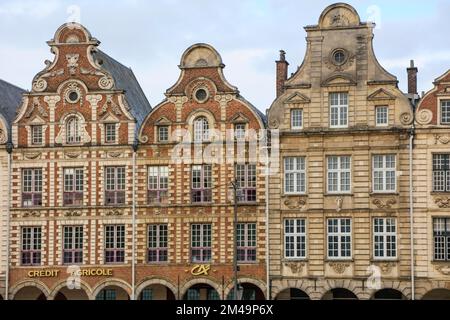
x=10 y=100
x=125 y=79
x=258 y=112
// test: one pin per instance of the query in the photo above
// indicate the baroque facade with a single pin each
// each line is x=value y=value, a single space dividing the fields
x=113 y=199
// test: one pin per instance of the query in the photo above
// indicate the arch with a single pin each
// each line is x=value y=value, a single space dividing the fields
x=35 y=286
x=307 y=286
x=437 y=294
x=63 y=285
x=201 y=55
x=201 y=280
x=351 y=285
x=156 y=281
x=111 y=283
x=72 y=25
x=388 y=294
x=201 y=291
x=292 y=294
x=241 y=281
x=327 y=18
x=340 y=294
x=73 y=134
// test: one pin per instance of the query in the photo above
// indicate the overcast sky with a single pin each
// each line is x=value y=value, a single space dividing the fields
x=150 y=37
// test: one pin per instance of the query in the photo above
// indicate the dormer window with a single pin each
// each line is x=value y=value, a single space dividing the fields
x=36 y=135
x=296 y=119
x=339 y=110
x=381 y=116
x=239 y=131
x=73 y=135
x=163 y=133
x=201 y=129
x=110 y=133
x=445 y=112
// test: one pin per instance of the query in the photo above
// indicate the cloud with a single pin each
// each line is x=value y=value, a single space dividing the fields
x=38 y=9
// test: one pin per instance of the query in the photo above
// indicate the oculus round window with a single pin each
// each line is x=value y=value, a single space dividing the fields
x=339 y=57
x=201 y=95
x=73 y=96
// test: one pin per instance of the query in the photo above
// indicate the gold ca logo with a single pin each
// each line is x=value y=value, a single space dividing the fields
x=200 y=269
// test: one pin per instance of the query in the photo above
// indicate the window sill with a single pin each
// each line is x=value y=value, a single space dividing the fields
x=294 y=195
x=438 y=262
x=328 y=260
x=381 y=260
x=438 y=193
x=374 y=194
x=287 y=260
x=338 y=194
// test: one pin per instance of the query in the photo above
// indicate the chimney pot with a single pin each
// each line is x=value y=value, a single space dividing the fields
x=282 y=73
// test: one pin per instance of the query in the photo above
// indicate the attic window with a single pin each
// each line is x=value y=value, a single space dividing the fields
x=201 y=95
x=339 y=57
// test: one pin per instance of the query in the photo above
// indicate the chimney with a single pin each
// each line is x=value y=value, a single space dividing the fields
x=282 y=72
x=412 y=78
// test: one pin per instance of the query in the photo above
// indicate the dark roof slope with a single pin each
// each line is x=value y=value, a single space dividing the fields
x=10 y=100
x=125 y=79
x=255 y=109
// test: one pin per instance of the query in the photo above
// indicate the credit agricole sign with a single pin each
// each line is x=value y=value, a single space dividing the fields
x=88 y=272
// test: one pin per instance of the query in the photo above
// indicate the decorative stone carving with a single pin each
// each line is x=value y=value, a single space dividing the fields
x=274 y=124
x=339 y=202
x=73 y=214
x=330 y=63
x=386 y=267
x=143 y=139
x=406 y=118
x=384 y=205
x=40 y=85
x=441 y=139
x=72 y=62
x=295 y=203
x=36 y=105
x=296 y=267
x=110 y=103
x=72 y=155
x=424 y=117
x=32 y=156
x=339 y=267
x=442 y=202
x=34 y=214
x=444 y=269
x=106 y=83
x=114 y=213
x=73 y=87
x=114 y=154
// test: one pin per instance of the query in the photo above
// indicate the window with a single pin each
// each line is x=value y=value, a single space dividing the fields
x=384 y=179
x=441 y=232
x=295 y=175
x=445 y=112
x=36 y=135
x=338 y=110
x=158 y=184
x=201 y=95
x=339 y=57
x=296 y=119
x=115 y=244
x=246 y=242
x=163 y=133
x=73 y=135
x=31 y=246
x=201 y=183
x=147 y=294
x=441 y=172
x=384 y=238
x=201 y=129
x=246 y=180
x=339 y=174
x=239 y=131
x=295 y=239
x=339 y=238
x=201 y=243
x=106 y=294
x=32 y=187
x=382 y=116
x=73 y=244
x=115 y=185
x=157 y=243
x=110 y=133
x=73 y=187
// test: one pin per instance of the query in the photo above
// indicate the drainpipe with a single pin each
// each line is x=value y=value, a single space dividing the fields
x=411 y=198
x=9 y=149
x=133 y=262
x=268 y=291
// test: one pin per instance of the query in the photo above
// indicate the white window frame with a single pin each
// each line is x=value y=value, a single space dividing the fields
x=108 y=132
x=201 y=129
x=341 y=236
x=380 y=112
x=382 y=236
x=339 y=105
x=441 y=172
x=447 y=111
x=37 y=138
x=73 y=130
x=297 y=119
x=339 y=172
x=441 y=238
x=166 y=134
x=298 y=237
x=385 y=172
x=296 y=170
x=240 y=131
